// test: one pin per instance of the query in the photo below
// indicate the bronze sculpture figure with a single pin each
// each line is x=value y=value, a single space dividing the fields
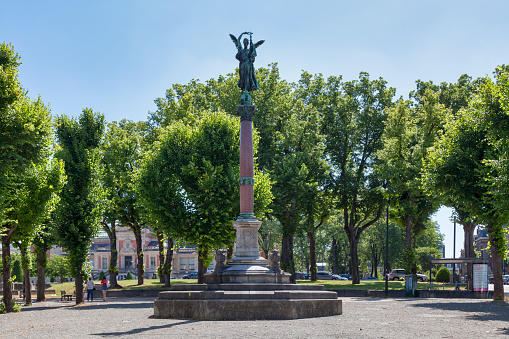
x=246 y=56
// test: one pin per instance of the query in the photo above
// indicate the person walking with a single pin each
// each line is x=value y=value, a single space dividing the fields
x=90 y=289
x=104 y=287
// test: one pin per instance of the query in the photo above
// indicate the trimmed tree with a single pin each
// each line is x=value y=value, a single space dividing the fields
x=79 y=211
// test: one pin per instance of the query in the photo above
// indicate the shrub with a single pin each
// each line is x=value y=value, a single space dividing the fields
x=129 y=276
x=443 y=275
x=101 y=275
x=17 y=271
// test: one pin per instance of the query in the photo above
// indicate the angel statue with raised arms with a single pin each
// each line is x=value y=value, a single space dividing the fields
x=246 y=57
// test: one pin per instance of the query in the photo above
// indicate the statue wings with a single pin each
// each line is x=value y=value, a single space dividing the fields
x=259 y=43
x=236 y=42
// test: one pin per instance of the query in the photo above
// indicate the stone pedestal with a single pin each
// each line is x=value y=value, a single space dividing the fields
x=246 y=302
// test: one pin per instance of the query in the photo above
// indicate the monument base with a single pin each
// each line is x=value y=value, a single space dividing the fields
x=246 y=302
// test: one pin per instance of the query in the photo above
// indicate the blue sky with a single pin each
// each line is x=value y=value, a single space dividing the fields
x=116 y=57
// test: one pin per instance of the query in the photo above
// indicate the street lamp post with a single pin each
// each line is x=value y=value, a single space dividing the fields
x=454 y=254
x=386 y=266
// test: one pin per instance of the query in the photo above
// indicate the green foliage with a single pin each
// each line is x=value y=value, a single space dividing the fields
x=423 y=256
x=79 y=212
x=129 y=276
x=10 y=89
x=443 y=275
x=101 y=275
x=17 y=272
x=189 y=183
x=57 y=266
x=3 y=310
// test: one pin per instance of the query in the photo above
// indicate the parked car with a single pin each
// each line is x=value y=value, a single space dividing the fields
x=505 y=279
x=324 y=275
x=347 y=276
x=302 y=276
x=369 y=278
x=399 y=274
x=193 y=275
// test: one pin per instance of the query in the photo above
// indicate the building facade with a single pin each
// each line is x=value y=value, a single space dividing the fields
x=185 y=258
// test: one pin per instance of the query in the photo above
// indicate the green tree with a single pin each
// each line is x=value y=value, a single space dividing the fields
x=17 y=271
x=58 y=267
x=189 y=183
x=41 y=186
x=121 y=151
x=409 y=134
x=354 y=115
x=25 y=134
x=79 y=212
x=457 y=167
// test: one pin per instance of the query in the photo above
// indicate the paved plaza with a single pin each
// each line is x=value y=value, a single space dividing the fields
x=361 y=318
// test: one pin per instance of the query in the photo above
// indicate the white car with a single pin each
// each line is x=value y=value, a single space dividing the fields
x=324 y=275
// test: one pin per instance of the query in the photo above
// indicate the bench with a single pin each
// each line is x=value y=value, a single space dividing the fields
x=65 y=296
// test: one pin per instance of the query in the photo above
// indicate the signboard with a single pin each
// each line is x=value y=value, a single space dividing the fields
x=480 y=278
x=410 y=285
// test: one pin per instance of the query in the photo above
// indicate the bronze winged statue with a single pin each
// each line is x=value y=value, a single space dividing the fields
x=246 y=57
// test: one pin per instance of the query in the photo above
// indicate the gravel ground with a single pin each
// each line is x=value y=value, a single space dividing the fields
x=361 y=318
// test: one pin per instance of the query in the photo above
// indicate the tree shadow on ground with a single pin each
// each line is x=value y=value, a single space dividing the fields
x=141 y=330
x=479 y=311
x=101 y=305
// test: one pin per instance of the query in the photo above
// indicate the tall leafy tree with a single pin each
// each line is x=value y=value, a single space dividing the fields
x=80 y=209
x=409 y=134
x=298 y=170
x=39 y=193
x=458 y=167
x=189 y=183
x=25 y=135
x=121 y=150
x=354 y=115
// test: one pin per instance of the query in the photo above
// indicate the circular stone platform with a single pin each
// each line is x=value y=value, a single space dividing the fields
x=246 y=302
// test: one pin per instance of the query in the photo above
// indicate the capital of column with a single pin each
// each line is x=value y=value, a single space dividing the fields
x=246 y=112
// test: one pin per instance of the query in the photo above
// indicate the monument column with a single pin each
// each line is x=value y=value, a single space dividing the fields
x=246 y=249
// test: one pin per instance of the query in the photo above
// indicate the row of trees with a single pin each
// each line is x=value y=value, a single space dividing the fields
x=328 y=152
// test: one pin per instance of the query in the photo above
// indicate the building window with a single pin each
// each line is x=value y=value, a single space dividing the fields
x=152 y=262
x=182 y=264
x=191 y=264
x=104 y=264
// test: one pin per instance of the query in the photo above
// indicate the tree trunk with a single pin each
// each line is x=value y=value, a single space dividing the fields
x=139 y=252
x=468 y=228
x=312 y=255
x=6 y=264
x=41 y=274
x=334 y=254
x=112 y=268
x=78 y=285
x=287 y=263
x=354 y=258
x=201 y=268
x=167 y=265
x=28 y=286
x=498 y=289
x=408 y=231
x=160 y=246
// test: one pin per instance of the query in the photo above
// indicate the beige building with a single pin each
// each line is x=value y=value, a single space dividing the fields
x=185 y=258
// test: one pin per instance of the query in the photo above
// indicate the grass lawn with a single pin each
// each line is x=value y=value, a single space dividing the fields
x=149 y=284
x=369 y=285
x=154 y=284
